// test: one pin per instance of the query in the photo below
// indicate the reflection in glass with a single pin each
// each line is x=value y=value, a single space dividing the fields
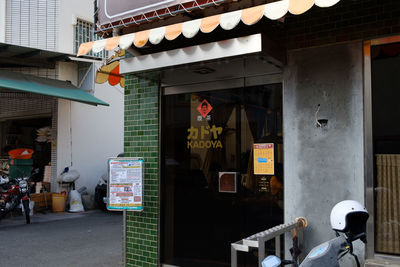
x=386 y=134
x=198 y=146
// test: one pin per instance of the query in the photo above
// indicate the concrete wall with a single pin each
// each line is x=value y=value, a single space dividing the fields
x=97 y=134
x=64 y=149
x=67 y=72
x=87 y=135
x=70 y=10
x=323 y=165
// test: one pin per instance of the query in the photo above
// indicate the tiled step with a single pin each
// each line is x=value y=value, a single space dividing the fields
x=382 y=263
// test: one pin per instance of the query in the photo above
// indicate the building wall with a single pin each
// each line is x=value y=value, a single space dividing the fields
x=45 y=25
x=346 y=21
x=97 y=134
x=88 y=135
x=141 y=140
x=67 y=21
x=67 y=72
x=323 y=165
x=64 y=148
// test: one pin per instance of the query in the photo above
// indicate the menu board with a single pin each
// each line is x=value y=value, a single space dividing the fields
x=125 y=184
x=264 y=159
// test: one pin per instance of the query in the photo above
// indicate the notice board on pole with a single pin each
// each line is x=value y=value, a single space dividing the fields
x=125 y=184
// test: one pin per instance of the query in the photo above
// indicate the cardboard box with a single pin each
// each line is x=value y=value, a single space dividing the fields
x=42 y=201
x=47 y=174
x=46 y=186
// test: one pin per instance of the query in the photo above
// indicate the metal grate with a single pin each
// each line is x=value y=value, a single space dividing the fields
x=258 y=240
x=32 y=23
x=54 y=125
x=20 y=105
x=84 y=32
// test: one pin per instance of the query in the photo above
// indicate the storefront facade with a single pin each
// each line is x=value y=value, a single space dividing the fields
x=325 y=108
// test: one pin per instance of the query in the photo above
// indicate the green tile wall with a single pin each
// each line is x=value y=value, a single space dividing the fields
x=141 y=140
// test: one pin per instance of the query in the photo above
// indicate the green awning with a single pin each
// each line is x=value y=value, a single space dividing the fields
x=49 y=87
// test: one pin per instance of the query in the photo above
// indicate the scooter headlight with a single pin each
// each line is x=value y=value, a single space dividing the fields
x=23 y=186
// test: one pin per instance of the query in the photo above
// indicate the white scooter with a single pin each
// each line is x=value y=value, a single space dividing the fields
x=348 y=220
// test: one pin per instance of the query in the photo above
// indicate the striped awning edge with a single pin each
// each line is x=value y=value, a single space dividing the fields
x=189 y=29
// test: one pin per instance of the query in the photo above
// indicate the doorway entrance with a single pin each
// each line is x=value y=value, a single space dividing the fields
x=385 y=69
x=212 y=193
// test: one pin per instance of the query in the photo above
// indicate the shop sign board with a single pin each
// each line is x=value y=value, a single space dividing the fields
x=110 y=11
x=264 y=159
x=125 y=184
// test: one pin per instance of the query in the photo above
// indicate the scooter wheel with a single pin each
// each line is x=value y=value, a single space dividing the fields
x=25 y=203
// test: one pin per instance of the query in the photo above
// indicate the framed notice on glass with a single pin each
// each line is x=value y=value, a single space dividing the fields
x=227 y=182
x=264 y=159
x=125 y=184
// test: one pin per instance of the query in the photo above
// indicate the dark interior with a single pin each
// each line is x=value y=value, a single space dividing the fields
x=199 y=219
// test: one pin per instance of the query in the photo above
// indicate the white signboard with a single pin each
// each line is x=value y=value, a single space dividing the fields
x=125 y=184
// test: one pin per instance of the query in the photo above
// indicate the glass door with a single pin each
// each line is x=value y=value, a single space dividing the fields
x=212 y=191
x=385 y=69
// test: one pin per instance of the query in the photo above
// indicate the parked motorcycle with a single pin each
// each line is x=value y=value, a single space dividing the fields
x=348 y=220
x=14 y=193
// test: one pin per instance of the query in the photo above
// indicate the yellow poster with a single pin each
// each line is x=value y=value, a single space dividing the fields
x=264 y=159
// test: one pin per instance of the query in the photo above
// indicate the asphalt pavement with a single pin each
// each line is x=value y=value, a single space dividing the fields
x=92 y=238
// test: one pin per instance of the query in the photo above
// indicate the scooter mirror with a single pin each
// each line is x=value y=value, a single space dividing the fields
x=271 y=261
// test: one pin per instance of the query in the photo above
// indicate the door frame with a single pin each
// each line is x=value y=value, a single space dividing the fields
x=368 y=144
x=243 y=81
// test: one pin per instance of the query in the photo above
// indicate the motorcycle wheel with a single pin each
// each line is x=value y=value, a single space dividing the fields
x=26 y=209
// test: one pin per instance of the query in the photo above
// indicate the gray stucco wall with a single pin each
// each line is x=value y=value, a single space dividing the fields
x=323 y=165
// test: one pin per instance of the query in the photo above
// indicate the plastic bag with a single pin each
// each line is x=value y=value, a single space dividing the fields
x=31 y=206
x=4 y=179
x=75 y=202
x=68 y=175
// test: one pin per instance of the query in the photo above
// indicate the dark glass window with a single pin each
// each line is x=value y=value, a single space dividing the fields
x=210 y=194
x=386 y=134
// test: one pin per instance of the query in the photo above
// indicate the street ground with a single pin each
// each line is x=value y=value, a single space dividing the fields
x=92 y=238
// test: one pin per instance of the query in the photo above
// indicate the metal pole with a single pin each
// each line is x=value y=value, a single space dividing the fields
x=261 y=250
x=124 y=239
x=278 y=246
x=233 y=257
